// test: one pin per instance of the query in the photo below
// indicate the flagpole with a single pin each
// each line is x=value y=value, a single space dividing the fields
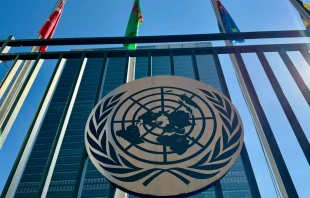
x=301 y=11
x=250 y=105
x=11 y=95
x=3 y=89
x=131 y=69
x=58 y=2
x=27 y=62
x=131 y=65
x=9 y=111
x=19 y=165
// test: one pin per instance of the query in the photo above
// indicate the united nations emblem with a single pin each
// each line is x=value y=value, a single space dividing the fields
x=164 y=136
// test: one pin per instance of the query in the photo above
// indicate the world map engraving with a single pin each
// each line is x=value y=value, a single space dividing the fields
x=167 y=118
x=172 y=123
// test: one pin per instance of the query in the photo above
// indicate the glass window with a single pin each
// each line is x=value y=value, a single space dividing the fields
x=161 y=65
x=141 y=69
x=207 y=71
x=183 y=66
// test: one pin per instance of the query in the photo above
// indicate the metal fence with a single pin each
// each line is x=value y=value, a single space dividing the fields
x=266 y=136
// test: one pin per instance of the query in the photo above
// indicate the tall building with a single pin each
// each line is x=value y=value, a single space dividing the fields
x=56 y=163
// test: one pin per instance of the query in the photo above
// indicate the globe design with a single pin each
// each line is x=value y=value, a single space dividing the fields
x=165 y=123
x=164 y=136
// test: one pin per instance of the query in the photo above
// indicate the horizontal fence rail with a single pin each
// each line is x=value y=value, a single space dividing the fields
x=156 y=52
x=157 y=39
x=282 y=49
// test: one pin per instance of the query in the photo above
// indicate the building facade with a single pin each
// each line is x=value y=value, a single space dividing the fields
x=58 y=166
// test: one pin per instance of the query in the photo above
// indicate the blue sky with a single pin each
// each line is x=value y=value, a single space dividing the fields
x=102 y=18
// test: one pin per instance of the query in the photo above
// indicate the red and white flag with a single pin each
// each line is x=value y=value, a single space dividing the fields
x=49 y=27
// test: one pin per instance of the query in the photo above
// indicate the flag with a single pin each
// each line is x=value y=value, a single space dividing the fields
x=306 y=24
x=48 y=29
x=133 y=25
x=306 y=7
x=229 y=24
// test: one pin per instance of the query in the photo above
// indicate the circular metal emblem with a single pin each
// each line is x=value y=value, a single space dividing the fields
x=164 y=136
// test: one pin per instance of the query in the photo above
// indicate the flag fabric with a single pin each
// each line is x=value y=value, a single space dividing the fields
x=133 y=25
x=306 y=24
x=306 y=7
x=48 y=29
x=229 y=24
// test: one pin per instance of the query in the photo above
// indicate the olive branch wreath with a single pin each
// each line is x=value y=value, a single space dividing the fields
x=116 y=164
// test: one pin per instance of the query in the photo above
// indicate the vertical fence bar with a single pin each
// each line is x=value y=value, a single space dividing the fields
x=172 y=63
x=15 y=90
x=24 y=152
x=117 y=192
x=295 y=74
x=220 y=73
x=17 y=87
x=52 y=158
x=11 y=108
x=195 y=66
x=249 y=172
x=78 y=187
x=244 y=154
x=289 y=187
x=259 y=120
x=305 y=54
x=217 y=185
x=81 y=175
x=4 y=48
x=112 y=190
x=126 y=68
x=6 y=81
x=218 y=190
x=289 y=113
x=149 y=68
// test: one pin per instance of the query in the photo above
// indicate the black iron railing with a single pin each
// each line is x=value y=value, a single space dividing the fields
x=259 y=50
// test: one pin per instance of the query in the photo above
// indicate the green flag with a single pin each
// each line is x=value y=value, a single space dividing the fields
x=134 y=22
